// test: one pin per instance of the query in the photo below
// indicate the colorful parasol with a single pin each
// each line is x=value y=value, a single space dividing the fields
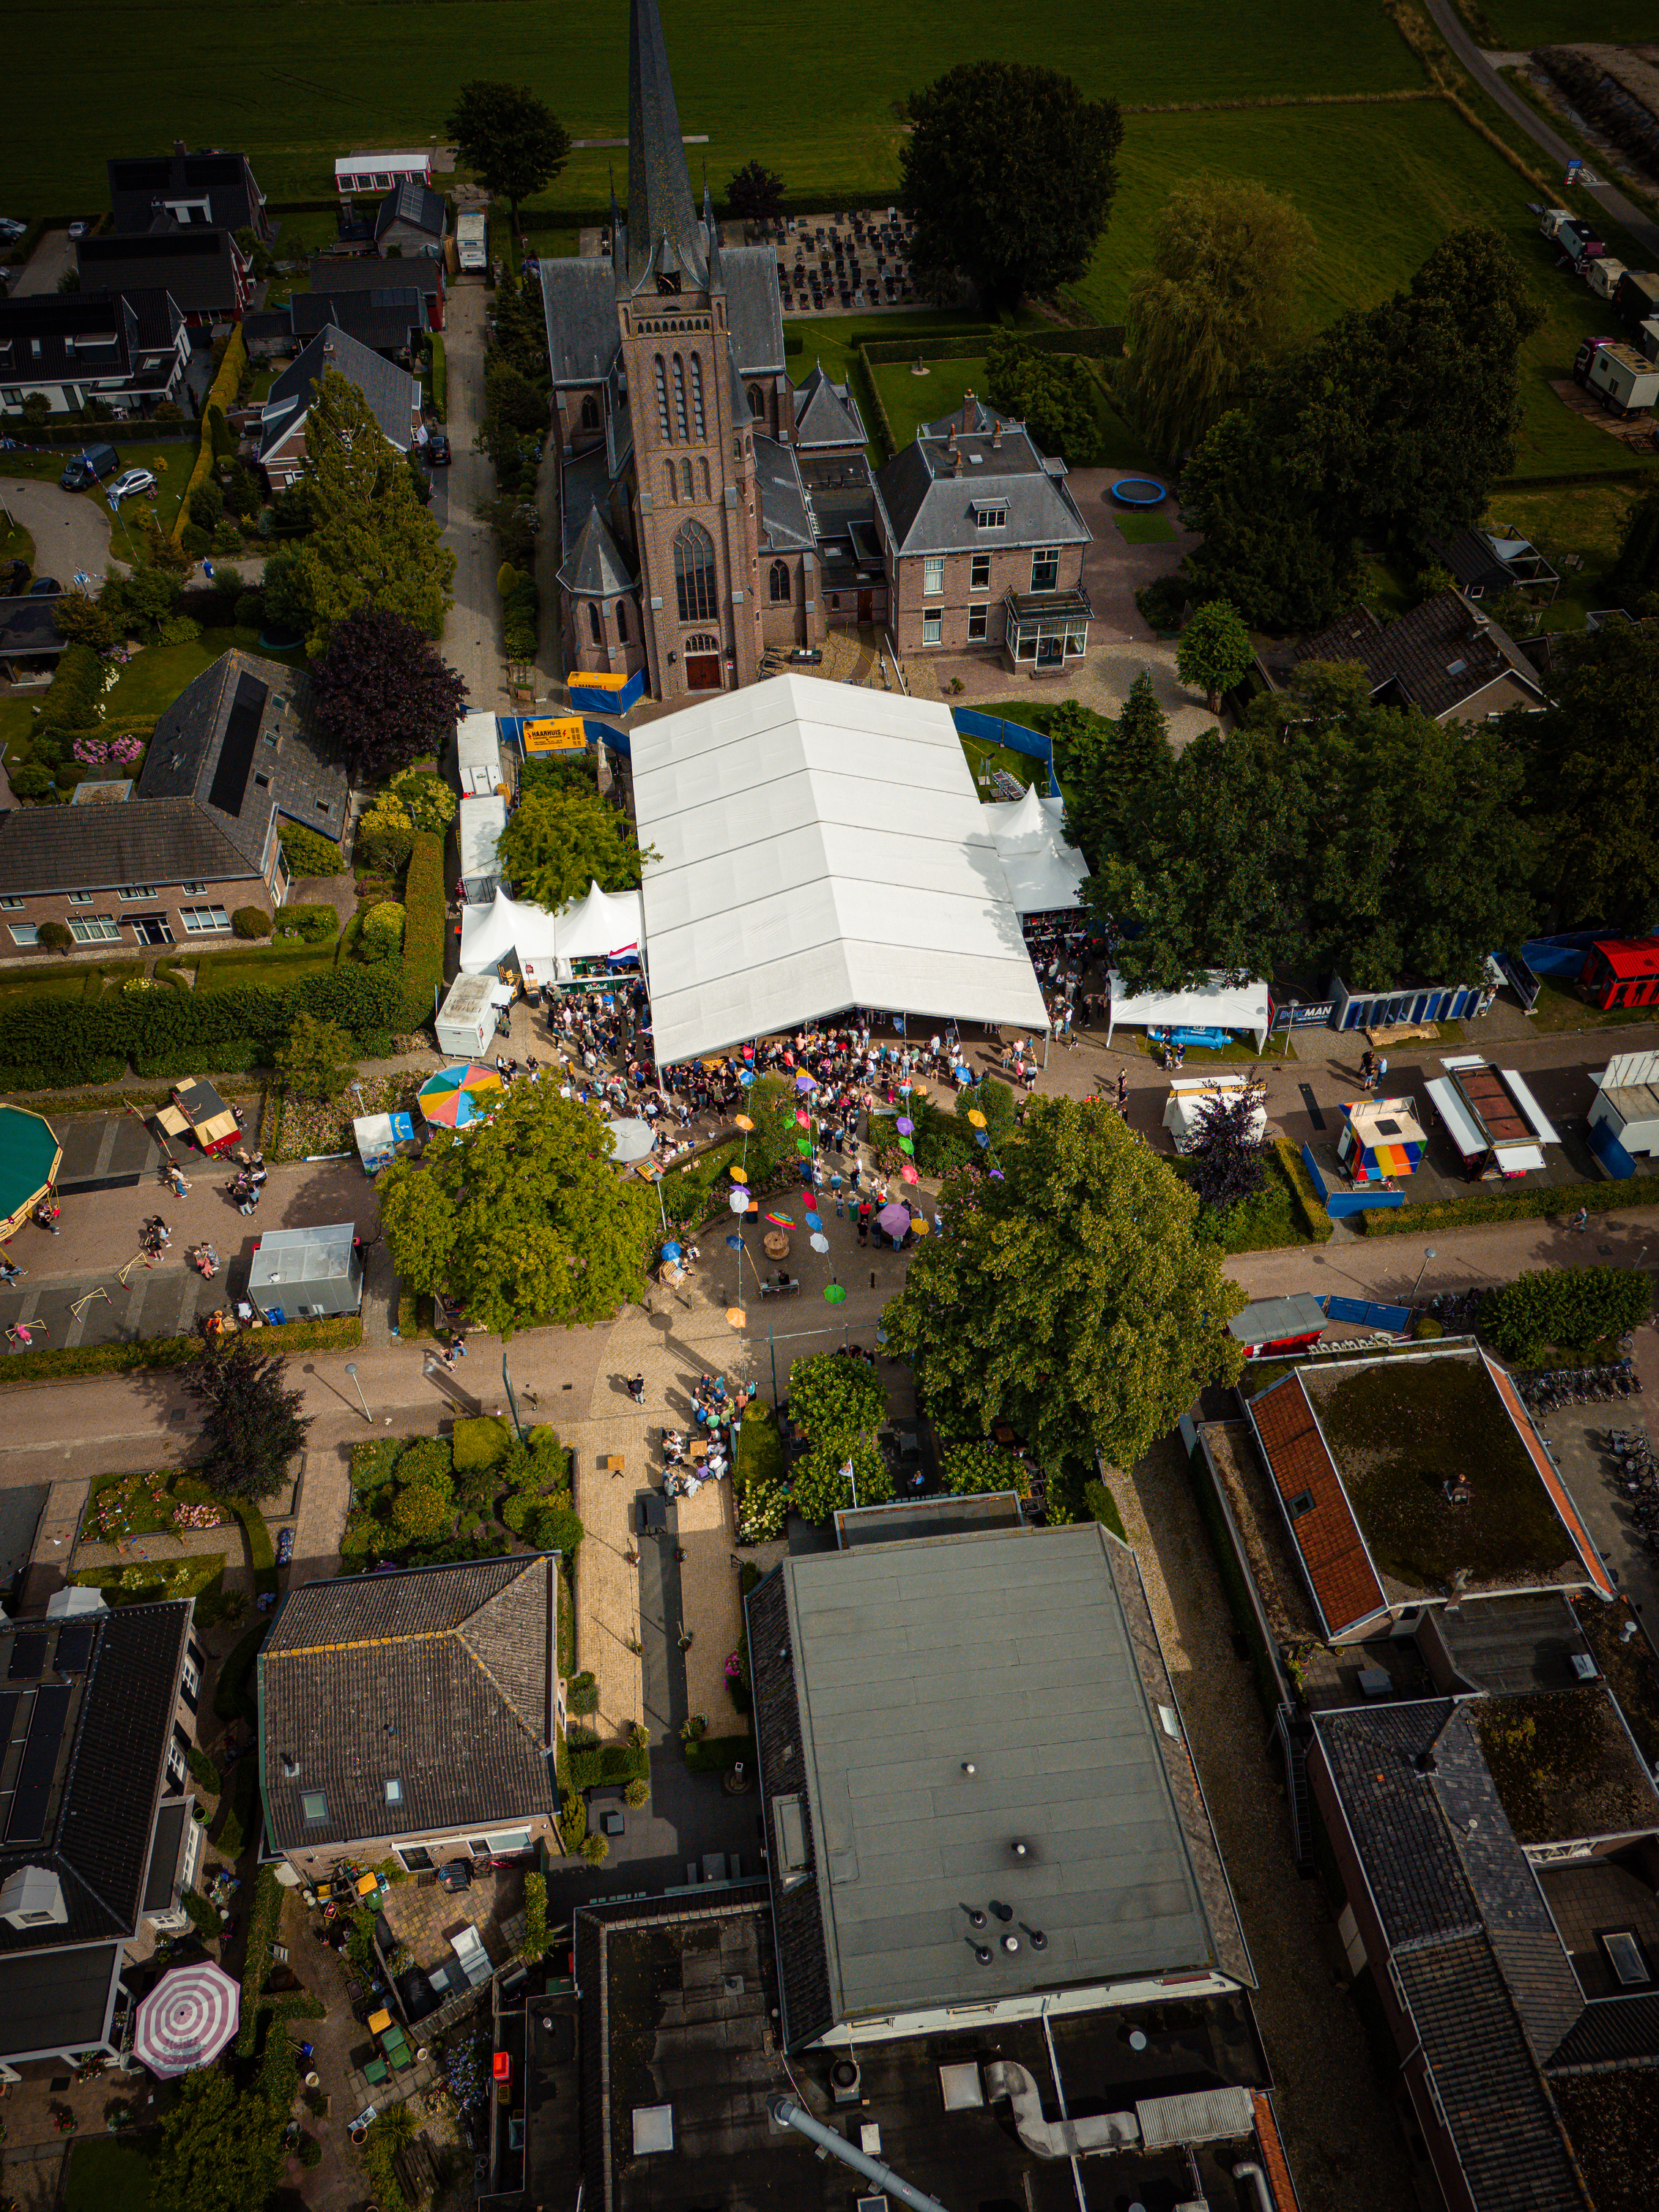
x=820 y=1242
x=893 y=1219
x=738 y=1202
x=834 y=1293
x=907 y=1174
x=976 y=1117
x=186 y=2020
x=806 y=1082
x=737 y=1174
x=804 y=1147
x=905 y=1125
x=456 y=1095
x=920 y=1223
x=736 y=1316
x=671 y=1251
x=803 y=1119
x=781 y=1220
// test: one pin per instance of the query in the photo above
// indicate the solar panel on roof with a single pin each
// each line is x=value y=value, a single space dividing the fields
x=10 y=1701
x=33 y=1795
x=28 y=1659
x=75 y=1646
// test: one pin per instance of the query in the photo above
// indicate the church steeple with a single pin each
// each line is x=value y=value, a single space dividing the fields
x=666 y=249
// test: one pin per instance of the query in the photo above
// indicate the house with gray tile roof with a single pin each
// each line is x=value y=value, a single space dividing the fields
x=415 y=1712
x=392 y=393
x=1446 y=657
x=1495 y=1862
x=202 y=271
x=411 y=221
x=827 y=418
x=341 y=272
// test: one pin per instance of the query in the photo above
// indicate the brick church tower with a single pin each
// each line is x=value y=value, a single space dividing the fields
x=668 y=372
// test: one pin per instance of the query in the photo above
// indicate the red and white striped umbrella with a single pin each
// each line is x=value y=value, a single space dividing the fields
x=186 y=2020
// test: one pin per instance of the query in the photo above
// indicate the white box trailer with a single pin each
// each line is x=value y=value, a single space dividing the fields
x=1550 y=221
x=1647 y=338
x=1621 y=380
x=1189 y=1094
x=1602 y=277
x=472 y=241
x=466 y=1019
x=1627 y=1100
x=478 y=827
x=479 y=756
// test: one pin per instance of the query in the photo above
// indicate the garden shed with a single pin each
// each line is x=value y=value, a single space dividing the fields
x=307 y=1274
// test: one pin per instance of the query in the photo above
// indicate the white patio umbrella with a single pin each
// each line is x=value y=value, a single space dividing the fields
x=186 y=2020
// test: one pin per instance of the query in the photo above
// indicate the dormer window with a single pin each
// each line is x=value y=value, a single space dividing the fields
x=990 y=516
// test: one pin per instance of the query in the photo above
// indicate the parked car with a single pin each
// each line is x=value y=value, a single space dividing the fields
x=45 y=588
x=88 y=466
x=437 y=450
x=79 y=229
x=11 y=228
x=128 y=484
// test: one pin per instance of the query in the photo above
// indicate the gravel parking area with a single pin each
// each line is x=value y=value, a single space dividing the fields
x=1345 y=2147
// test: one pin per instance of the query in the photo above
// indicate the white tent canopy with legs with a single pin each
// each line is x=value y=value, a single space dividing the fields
x=1045 y=874
x=1214 y=1004
x=542 y=945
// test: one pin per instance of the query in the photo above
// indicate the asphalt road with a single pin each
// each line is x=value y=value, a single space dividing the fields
x=1607 y=196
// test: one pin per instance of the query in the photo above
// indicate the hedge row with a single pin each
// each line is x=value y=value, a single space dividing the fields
x=439 y=378
x=118 y=433
x=1312 y=1216
x=425 y=921
x=1511 y=1206
x=160 y=1351
x=222 y=395
x=54 y=1044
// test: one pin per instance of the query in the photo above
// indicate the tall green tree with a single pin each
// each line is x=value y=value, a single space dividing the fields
x=253 y=1429
x=318 y=1058
x=1105 y=765
x=1213 y=652
x=1270 y=545
x=1635 y=578
x=221 y=2149
x=1050 y=393
x=522 y=1218
x=1592 y=761
x=509 y=137
x=1009 y=173
x=1070 y=1298
x=1228 y=259
x=755 y=194
x=373 y=544
x=562 y=837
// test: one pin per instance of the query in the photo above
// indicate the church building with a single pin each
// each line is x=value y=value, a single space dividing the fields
x=711 y=510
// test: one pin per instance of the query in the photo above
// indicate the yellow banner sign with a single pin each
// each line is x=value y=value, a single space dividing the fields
x=561 y=734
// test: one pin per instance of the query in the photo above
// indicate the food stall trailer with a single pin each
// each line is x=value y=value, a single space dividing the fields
x=1626 y=1103
x=1380 y=1139
x=1622 y=971
x=466 y=1020
x=1492 y=1118
x=1269 y=1328
x=198 y=1112
x=378 y=1136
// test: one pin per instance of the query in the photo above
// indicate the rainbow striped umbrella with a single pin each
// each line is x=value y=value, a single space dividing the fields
x=456 y=1095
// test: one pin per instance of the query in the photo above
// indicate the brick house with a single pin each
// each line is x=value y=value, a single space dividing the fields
x=237 y=741
x=392 y=393
x=414 y=1713
x=129 y=350
x=152 y=872
x=983 y=545
x=205 y=271
x=98 y=1847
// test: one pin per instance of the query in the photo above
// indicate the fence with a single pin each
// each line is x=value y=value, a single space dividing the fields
x=1014 y=736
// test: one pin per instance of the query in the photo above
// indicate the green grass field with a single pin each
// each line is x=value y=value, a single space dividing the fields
x=170 y=461
x=332 y=77
x=1381 y=186
x=911 y=400
x=1517 y=23
x=106 y=2176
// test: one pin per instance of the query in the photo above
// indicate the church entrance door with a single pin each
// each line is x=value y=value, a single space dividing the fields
x=703 y=671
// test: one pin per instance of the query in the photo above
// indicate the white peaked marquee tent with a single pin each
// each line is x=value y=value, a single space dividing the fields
x=1045 y=874
x=596 y=927
x=821 y=847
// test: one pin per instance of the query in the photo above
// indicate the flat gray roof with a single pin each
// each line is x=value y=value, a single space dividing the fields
x=1010 y=1649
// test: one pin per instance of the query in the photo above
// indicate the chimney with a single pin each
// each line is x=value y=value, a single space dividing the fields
x=951 y=437
x=996 y=435
x=967 y=412
x=956 y=459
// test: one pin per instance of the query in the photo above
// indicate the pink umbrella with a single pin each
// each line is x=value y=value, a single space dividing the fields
x=895 y=1219
x=186 y=2020
x=905 y=1125
x=907 y=1174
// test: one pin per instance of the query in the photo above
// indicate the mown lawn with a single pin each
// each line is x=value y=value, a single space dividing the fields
x=911 y=400
x=342 y=77
x=1381 y=186
x=1517 y=23
x=170 y=461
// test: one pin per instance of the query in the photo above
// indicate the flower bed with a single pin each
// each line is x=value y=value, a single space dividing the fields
x=306 y=1126
x=197 y=1516
x=132 y=1505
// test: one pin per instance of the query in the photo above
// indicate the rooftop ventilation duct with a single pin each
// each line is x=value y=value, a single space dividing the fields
x=1046 y=2138
x=788 y=2114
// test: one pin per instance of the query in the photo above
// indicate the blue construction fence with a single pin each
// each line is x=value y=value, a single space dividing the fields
x=1339 y=1198
x=600 y=699
x=994 y=731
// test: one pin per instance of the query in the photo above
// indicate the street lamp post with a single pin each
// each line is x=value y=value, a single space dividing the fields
x=351 y=1370
x=1428 y=1254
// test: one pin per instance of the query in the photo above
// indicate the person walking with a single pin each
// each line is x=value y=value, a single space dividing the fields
x=637 y=1389
x=1368 y=1070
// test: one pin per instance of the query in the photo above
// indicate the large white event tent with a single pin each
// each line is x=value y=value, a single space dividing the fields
x=1214 y=1004
x=542 y=945
x=821 y=847
x=1045 y=874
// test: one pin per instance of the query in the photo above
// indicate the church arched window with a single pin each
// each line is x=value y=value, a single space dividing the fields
x=780 y=582
x=668 y=472
x=696 y=395
x=622 y=623
x=702 y=463
x=756 y=402
x=694 y=573
x=594 y=623
x=680 y=401
x=686 y=490
x=662 y=401
x=589 y=411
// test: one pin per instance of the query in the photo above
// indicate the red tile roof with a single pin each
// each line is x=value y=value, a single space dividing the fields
x=1584 y=1544
x=1333 y=1556
x=1275 y=2164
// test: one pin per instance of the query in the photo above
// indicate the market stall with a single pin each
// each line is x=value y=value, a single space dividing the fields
x=198 y=1112
x=1214 y=1006
x=378 y=1137
x=307 y=1274
x=1190 y=1095
x=1045 y=875
x=541 y=946
x=1380 y=1139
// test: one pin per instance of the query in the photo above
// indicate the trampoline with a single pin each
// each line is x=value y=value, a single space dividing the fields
x=1139 y=491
